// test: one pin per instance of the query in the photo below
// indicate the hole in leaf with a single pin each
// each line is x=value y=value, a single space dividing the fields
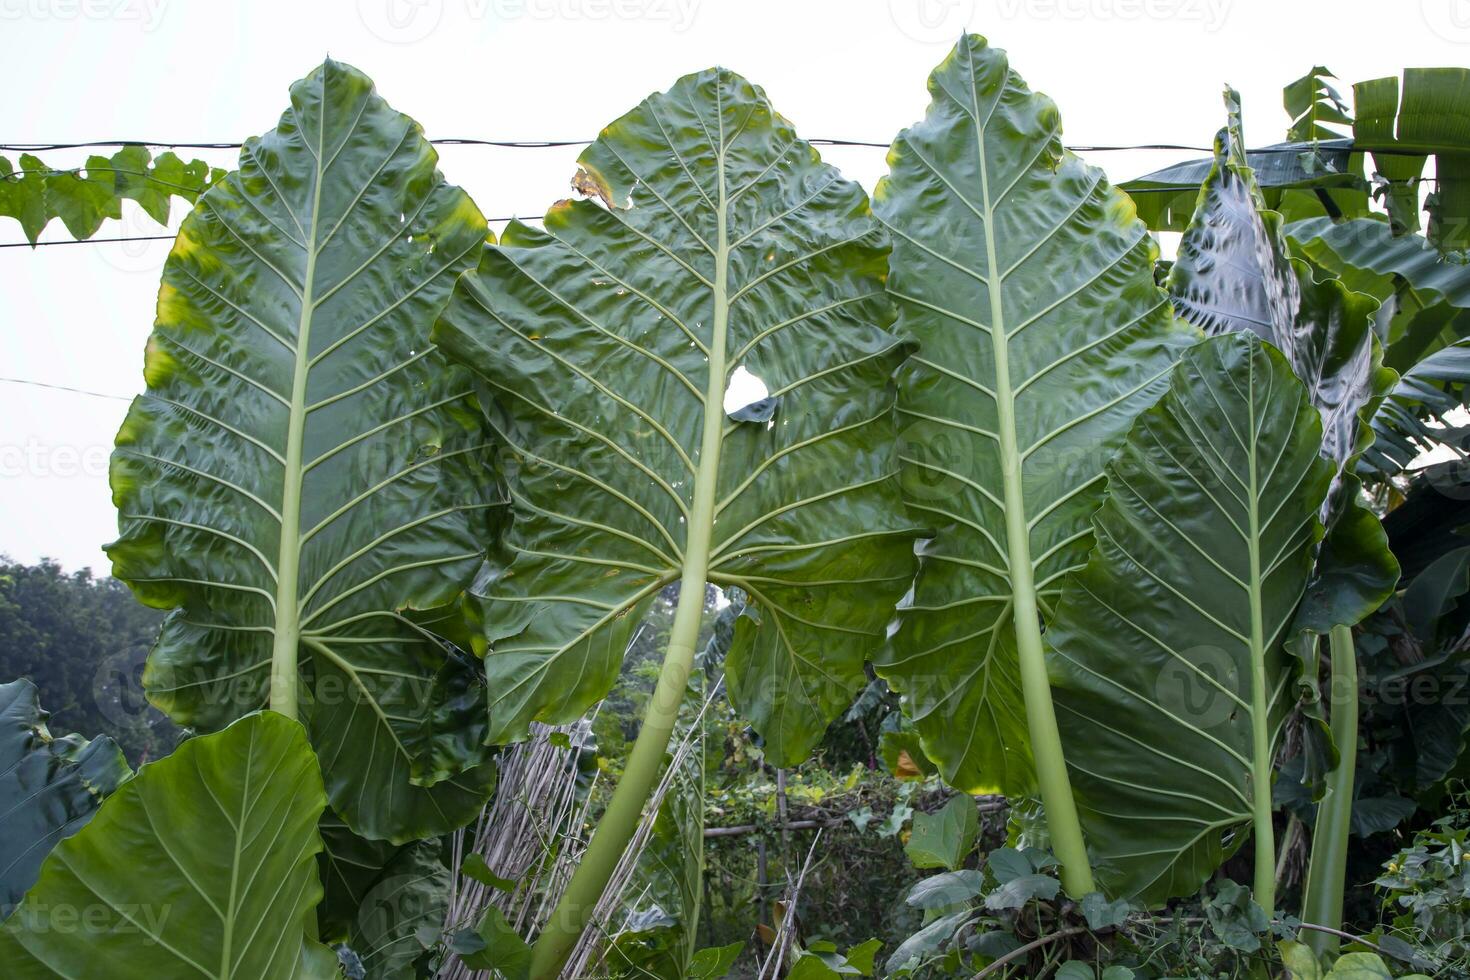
x=747 y=399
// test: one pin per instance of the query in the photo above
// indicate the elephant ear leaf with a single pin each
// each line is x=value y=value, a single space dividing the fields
x=226 y=830
x=1171 y=677
x=51 y=787
x=1235 y=273
x=1232 y=272
x=720 y=242
x=304 y=467
x=1028 y=282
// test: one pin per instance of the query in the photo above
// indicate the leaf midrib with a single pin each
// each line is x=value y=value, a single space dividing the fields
x=700 y=536
x=1018 y=541
x=285 y=651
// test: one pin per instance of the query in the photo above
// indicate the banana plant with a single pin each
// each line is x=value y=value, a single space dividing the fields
x=51 y=787
x=203 y=864
x=1425 y=329
x=1170 y=666
x=1028 y=283
x=305 y=469
x=718 y=245
x=1425 y=292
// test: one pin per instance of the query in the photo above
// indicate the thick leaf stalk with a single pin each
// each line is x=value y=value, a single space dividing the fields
x=1327 y=870
x=624 y=811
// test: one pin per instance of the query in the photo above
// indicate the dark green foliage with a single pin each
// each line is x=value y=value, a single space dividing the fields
x=82 y=641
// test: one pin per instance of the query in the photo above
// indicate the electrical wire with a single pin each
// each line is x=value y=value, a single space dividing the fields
x=161 y=238
x=66 y=388
x=545 y=144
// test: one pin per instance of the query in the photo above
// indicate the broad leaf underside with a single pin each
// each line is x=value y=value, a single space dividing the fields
x=304 y=464
x=1168 y=648
x=1028 y=282
x=605 y=339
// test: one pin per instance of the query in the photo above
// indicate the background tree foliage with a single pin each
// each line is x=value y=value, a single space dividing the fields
x=83 y=640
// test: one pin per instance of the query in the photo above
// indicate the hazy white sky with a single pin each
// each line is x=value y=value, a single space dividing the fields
x=1122 y=71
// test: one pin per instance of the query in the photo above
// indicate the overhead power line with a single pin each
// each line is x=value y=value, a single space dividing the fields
x=66 y=388
x=86 y=241
x=545 y=144
x=161 y=238
x=152 y=144
x=553 y=143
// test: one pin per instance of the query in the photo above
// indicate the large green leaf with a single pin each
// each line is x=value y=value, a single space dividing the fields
x=1171 y=677
x=721 y=242
x=49 y=786
x=1235 y=273
x=304 y=465
x=1334 y=352
x=1029 y=285
x=203 y=864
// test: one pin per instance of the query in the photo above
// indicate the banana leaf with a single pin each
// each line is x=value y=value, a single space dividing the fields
x=1404 y=123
